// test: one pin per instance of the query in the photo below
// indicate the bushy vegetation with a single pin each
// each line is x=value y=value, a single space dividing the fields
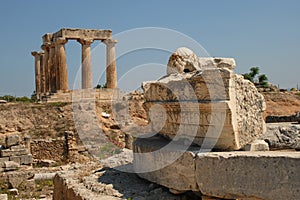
x=10 y=98
x=98 y=86
x=260 y=80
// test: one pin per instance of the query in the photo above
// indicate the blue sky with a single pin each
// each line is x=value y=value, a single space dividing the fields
x=256 y=33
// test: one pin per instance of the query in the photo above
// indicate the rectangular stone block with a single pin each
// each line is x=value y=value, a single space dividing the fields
x=10 y=166
x=22 y=160
x=210 y=84
x=238 y=175
x=216 y=104
x=11 y=140
x=72 y=33
x=3 y=197
x=4 y=159
x=8 y=152
x=172 y=169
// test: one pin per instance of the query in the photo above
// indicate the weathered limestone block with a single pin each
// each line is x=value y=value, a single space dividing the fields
x=16 y=179
x=260 y=175
x=74 y=33
x=22 y=160
x=257 y=145
x=228 y=63
x=11 y=140
x=282 y=136
x=178 y=175
x=3 y=197
x=10 y=166
x=183 y=60
x=17 y=152
x=215 y=104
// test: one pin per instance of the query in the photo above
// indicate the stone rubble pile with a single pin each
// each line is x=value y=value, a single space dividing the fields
x=15 y=152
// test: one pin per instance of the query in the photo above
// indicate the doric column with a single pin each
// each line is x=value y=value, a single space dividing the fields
x=52 y=64
x=42 y=76
x=61 y=62
x=111 y=68
x=37 y=66
x=86 y=77
x=46 y=48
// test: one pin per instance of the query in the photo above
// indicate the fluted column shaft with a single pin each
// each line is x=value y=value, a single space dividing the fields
x=52 y=64
x=111 y=67
x=61 y=60
x=86 y=76
x=37 y=67
x=42 y=71
x=45 y=47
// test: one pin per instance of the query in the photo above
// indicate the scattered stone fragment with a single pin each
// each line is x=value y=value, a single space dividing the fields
x=10 y=166
x=3 y=197
x=11 y=140
x=282 y=136
x=257 y=145
x=13 y=191
x=183 y=60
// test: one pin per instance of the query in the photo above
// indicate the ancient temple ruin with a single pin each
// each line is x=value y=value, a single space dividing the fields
x=51 y=72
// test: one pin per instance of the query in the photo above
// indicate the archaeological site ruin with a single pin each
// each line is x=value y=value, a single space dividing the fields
x=51 y=72
x=199 y=132
x=202 y=105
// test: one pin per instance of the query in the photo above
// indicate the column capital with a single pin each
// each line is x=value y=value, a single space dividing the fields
x=110 y=42
x=46 y=45
x=60 y=40
x=85 y=41
x=36 y=53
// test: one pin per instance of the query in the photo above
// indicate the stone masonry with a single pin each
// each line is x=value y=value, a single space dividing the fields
x=15 y=151
x=51 y=73
x=213 y=104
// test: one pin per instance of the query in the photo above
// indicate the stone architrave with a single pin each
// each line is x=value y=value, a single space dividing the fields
x=37 y=72
x=111 y=68
x=87 y=81
x=61 y=62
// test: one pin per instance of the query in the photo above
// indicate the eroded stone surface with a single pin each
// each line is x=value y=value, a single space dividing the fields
x=228 y=63
x=261 y=175
x=215 y=99
x=183 y=60
x=172 y=168
x=282 y=136
x=229 y=175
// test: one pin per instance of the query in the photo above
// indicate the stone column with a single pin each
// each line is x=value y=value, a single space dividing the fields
x=61 y=62
x=111 y=68
x=46 y=48
x=42 y=76
x=52 y=64
x=86 y=77
x=37 y=64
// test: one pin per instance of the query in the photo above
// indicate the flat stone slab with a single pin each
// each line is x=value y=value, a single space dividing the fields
x=261 y=175
x=228 y=175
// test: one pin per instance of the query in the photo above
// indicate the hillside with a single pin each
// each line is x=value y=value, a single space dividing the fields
x=282 y=103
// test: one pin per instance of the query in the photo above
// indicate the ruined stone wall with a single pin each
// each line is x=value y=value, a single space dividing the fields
x=54 y=149
x=249 y=109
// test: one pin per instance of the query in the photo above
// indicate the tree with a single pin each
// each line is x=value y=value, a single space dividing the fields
x=262 y=79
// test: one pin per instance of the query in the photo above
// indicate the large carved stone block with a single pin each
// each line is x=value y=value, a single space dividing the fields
x=213 y=104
